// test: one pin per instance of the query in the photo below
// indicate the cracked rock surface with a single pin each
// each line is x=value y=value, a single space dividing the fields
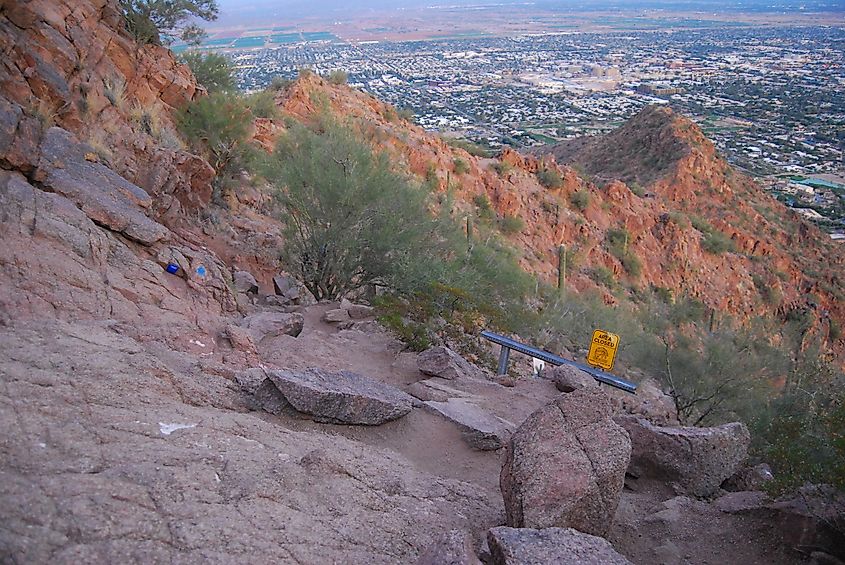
x=565 y=465
x=112 y=455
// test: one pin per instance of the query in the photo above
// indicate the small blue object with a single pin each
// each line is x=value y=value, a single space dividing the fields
x=201 y=271
x=172 y=269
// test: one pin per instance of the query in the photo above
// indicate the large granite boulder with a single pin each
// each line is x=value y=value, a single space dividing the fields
x=341 y=397
x=698 y=459
x=565 y=465
x=273 y=324
x=561 y=546
x=440 y=361
x=453 y=548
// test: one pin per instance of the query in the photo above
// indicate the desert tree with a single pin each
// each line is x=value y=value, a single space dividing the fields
x=161 y=22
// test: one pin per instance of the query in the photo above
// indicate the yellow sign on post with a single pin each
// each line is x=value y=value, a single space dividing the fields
x=603 y=349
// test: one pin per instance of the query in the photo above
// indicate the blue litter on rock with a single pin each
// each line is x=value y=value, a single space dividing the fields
x=201 y=271
x=172 y=269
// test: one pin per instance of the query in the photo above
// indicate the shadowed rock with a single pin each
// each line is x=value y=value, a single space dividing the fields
x=273 y=324
x=442 y=362
x=698 y=459
x=453 y=548
x=565 y=465
x=561 y=546
x=245 y=282
x=480 y=429
x=341 y=397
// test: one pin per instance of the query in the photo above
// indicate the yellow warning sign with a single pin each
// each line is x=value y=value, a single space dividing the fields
x=603 y=349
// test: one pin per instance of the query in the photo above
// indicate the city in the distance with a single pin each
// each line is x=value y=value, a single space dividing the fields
x=765 y=81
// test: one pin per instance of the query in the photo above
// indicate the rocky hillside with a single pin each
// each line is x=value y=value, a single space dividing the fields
x=169 y=395
x=654 y=193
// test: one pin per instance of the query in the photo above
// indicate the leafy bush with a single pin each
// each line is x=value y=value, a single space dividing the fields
x=482 y=204
x=580 y=199
x=279 y=83
x=461 y=167
x=351 y=221
x=700 y=224
x=211 y=70
x=549 y=178
x=637 y=189
x=800 y=432
x=473 y=149
x=511 y=225
x=717 y=243
x=262 y=104
x=405 y=114
x=678 y=218
x=632 y=264
x=338 y=77
x=218 y=127
x=603 y=276
x=617 y=242
x=161 y=22
x=502 y=168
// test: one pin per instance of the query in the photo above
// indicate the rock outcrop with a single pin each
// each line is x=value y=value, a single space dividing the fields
x=340 y=397
x=569 y=379
x=480 y=429
x=105 y=197
x=698 y=459
x=116 y=454
x=73 y=65
x=562 y=546
x=565 y=465
x=440 y=361
x=267 y=325
x=453 y=548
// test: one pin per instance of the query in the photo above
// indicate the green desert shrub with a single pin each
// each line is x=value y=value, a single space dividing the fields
x=511 y=225
x=717 y=243
x=461 y=166
x=212 y=70
x=218 y=126
x=161 y=22
x=338 y=77
x=351 y=221
x=483 y=207
x=262 y=104
x=549 y=178
x=502 y=168
x=580 y=199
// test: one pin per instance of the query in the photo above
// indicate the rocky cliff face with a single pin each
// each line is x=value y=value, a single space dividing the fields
x=71 y=65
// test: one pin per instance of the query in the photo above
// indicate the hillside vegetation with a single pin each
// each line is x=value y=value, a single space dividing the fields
x=360 y=213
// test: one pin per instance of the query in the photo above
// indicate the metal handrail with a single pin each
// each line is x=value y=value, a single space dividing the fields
x=508 y=344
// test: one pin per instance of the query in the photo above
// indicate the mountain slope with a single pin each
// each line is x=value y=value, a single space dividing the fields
x=665 y=210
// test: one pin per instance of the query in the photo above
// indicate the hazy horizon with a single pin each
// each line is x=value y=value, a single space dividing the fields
x=250 y=11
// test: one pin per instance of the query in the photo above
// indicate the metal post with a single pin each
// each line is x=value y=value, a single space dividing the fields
x=503 y=360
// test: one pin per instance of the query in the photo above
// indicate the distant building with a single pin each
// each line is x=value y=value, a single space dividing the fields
x=659 y=90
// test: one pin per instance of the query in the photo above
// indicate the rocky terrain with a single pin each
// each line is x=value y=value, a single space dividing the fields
x=169 y=395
